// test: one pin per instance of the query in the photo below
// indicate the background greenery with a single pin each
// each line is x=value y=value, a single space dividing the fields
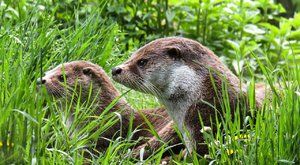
x=252 y=37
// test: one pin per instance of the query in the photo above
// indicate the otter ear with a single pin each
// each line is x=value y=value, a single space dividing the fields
x=174 y=52
x=88 y=71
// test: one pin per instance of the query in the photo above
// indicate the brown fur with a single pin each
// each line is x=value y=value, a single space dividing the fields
x=87 y=75
x=163 y=56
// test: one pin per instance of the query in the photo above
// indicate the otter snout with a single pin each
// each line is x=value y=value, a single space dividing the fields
x=115 y=71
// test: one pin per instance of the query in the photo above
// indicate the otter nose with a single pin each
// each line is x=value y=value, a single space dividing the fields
x=40 y=81
x=115 y=71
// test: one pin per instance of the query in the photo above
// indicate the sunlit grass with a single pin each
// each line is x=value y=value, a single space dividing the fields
x=32 y=127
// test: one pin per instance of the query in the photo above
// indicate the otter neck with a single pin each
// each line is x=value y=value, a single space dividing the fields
x=111 y=94
x=186 y=89
x=183 y=90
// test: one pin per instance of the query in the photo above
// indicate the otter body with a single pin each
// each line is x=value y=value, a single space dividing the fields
x=188 y=79
x=80 y=77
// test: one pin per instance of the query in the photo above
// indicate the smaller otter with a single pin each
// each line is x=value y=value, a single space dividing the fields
x=81 y=77
x=190 y=80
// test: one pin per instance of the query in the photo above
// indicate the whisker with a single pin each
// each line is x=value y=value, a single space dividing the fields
x=153 y=89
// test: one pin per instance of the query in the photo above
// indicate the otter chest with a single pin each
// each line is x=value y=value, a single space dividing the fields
x=177 y=113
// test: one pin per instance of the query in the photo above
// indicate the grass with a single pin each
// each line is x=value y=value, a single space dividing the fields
x=32 y=128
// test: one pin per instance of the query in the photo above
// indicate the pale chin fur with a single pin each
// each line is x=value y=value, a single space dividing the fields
x=66 y=118
x=181 y=92
x=68 y=121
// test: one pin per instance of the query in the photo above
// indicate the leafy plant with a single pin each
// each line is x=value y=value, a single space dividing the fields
x=250 y=36
x=232 y=29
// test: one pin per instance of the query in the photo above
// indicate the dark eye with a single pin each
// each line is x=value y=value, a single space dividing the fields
x=61 y=78
x=142 y=62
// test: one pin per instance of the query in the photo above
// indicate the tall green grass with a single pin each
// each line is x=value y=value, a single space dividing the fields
x=32 y=129
x=272 y=135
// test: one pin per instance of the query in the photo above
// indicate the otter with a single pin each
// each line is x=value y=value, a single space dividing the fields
x=81 y=77
x=189 y=80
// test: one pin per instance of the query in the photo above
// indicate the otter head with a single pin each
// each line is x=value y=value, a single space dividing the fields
x=77 y=80
x=163 y=67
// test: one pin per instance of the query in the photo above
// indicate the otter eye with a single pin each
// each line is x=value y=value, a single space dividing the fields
x=142 y=62
x=61 y=78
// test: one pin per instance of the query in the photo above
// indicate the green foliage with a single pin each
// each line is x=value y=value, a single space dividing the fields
x=32 y=126
x=233 y=29
x=250 y=36
x=273 y=134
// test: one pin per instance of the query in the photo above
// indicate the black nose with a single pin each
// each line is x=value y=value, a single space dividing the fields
x=40 y=81
x=115 y=71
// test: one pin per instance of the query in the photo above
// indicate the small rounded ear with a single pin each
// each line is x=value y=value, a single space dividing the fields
x=88 y=71
x=174 y=52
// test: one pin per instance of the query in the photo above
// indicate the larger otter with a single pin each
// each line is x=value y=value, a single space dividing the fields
x=188 y=79
x=91 y=84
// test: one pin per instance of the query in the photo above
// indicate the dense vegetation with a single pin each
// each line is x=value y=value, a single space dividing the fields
x=251 y=37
